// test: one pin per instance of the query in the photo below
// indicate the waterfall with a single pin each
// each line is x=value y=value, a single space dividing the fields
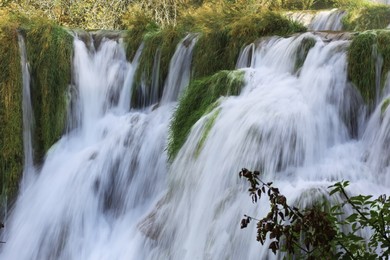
x=106 y=191
x=327 y=20
x=28 y=165
x=289 y=125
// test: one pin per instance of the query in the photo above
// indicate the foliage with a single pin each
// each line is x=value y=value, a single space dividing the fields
x=159 y=47
x=367 y=17
x=223 y=37
x=200 y=95
x=207 y=128
x=315 y=233
x=11 y=130
x=362 y=55
x=87 y=14
x=49 y=51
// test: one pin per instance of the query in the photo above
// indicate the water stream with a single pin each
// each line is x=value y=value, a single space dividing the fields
x=106 y=190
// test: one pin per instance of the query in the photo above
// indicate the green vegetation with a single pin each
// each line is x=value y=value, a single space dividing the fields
x=361 y=68
x=319 y=231
x=49 y=51
x=385 y=105
x=367 y=17
x=199 y=97
x=225 y=29
x=207 y=128
x=162 y=43
x=11 y=130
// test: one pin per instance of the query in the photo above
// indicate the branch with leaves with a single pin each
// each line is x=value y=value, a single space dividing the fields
x=313 y=232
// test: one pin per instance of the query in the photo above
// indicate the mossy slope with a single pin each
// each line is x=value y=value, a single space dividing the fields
x=11 y=130
x=196 y=101
x=49 y=51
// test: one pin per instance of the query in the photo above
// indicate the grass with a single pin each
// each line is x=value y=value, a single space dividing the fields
x=220 y=44
x=49 y=51
x=207 y=128
x=368 y=17
x=11 y=115
x=197 y=101
x=162 y=43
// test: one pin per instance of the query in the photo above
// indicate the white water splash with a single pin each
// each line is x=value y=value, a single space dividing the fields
x=291 y=127
x=93 y=185
x=95 y=197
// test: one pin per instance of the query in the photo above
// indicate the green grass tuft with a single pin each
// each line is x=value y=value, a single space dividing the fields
x=198 y=99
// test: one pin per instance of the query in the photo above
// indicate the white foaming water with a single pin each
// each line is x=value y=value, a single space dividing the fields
x=100 y=178
x=327 y=20
x=28 y=118
x=292 y=127
x=95 y=197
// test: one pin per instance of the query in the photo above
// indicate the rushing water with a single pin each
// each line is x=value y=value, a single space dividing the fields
x=327 y=20
x=106 y=190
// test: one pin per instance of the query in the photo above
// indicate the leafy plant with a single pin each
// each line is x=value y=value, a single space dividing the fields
x=314 y=232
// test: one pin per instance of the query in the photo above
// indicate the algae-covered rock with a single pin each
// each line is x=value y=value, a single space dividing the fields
x=196 y=102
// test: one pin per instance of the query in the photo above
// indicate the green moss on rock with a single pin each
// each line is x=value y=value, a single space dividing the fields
x=207 y=128
x=218 y=49
x=303 y=50
x=362 y=61
x=196 y=101
x=159 y=47
x=11 y=117
x=385 y=105
x=49 y=51
x=361 y=65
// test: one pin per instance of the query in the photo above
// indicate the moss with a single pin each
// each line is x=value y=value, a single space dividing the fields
x=196 y=101
x=361 y=65
x=219 y=48
x=361 y=68
x=207 y=128
x=385 y=105
x=159 y=47
x=11 y=130
x=367 y=18
x=383 y=43
x=49 y=51
x=303 y=50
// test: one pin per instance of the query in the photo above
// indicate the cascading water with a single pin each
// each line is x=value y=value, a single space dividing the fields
x=327 y=20
x=104 y=192
x=28 y=166
x=292 y=126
